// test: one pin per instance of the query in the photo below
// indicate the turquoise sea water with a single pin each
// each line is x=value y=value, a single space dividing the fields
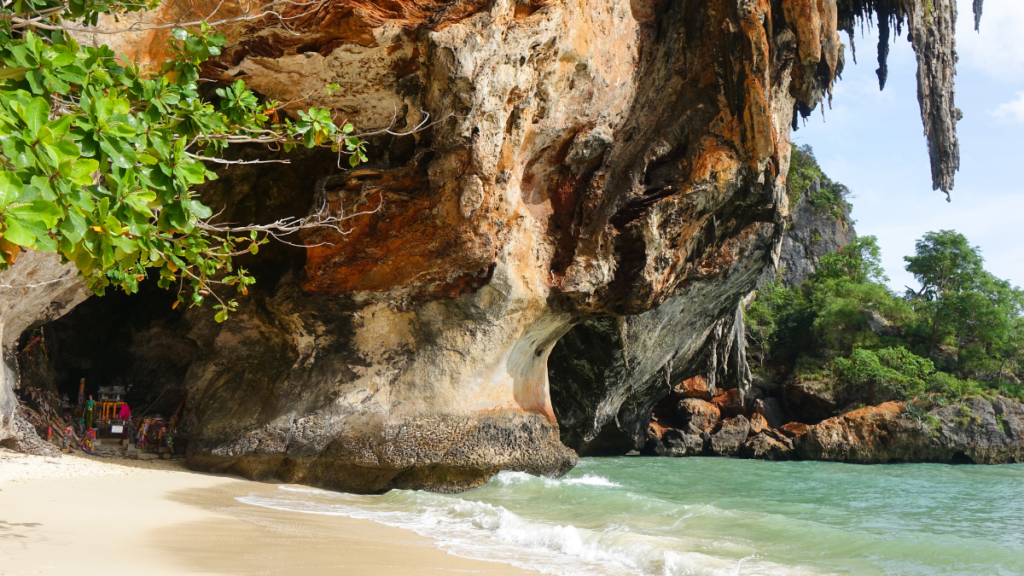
x=717 y=516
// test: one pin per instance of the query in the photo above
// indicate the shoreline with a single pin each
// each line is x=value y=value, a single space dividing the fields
x=83 y=515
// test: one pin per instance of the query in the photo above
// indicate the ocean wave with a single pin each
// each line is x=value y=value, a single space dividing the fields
x=485 y=531
x=591 y=480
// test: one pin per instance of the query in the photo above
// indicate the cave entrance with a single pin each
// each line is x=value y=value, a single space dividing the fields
x=117 y=350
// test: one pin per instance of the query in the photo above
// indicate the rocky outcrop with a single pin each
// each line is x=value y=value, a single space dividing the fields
x=611 y=163
x=22 y=437
x=977 y=431
x=815 y=228
x=36 y=289
x=599 y=182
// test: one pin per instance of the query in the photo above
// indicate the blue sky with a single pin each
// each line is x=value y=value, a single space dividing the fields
x=874 y=143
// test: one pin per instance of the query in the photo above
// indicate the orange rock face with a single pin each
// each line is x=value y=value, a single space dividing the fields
x=728 y=402
x=794 y=429
x=696 y=387
x=581 y=159
x=758 y=423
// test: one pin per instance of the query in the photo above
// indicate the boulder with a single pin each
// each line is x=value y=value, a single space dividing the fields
x=728 y=439
x=767 y=446
x=698 y=416
x=25 y=439
x=758 y=423
x=696 y=387
x=34 y=290
x=728 y=402
x=676 y=443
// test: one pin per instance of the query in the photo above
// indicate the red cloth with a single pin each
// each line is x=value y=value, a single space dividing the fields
x=124 y=413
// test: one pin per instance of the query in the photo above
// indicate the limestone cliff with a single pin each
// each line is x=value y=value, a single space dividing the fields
x=607 y=174
x=820 y=220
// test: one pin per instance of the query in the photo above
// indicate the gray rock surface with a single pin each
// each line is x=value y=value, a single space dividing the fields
x=767 y=445
x=814 y=232
x=35 y=290
x=676 y=443
x=23 y=438
x=730 y=437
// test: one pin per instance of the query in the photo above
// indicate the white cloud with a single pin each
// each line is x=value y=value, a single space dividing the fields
x=998 y=49
x=1012 y=111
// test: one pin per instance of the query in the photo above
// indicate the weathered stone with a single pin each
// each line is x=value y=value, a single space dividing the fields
x=812 y=401
x=950 y=433
x=814 y=232
x=729 y=438
x=757 y=423
x=696 y=387
x=35 y=290
x=610 y=169
x=729 y=403
x=794 y=429
x=765 y=446
x=23 y=438
x=697 y=416
x=676 y=443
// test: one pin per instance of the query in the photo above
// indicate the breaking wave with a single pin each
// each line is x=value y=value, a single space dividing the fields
x=469 y=527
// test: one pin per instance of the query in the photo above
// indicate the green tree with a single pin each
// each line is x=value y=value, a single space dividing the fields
x=859 y=262
x=99 y=159
x=946 y=265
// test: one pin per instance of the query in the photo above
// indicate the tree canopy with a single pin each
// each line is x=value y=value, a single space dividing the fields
x=962 y=333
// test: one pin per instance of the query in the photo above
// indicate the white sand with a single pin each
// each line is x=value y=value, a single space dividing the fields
x=80 y=516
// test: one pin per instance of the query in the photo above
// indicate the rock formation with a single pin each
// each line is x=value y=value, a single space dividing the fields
x=36 y=290
x=976 y=431
x=606 y=175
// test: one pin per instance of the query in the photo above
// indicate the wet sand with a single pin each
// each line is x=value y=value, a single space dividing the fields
x=85 y=516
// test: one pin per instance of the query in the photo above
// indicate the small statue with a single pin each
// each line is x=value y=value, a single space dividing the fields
x=87 y=442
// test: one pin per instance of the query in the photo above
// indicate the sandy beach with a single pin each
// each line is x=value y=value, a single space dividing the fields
x=87 y=516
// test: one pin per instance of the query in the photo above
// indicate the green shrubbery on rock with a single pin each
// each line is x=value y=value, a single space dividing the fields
x=806 y=180
x=960 y=335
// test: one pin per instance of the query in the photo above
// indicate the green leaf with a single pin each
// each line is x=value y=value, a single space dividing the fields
x=82 y=171
x=112 y=224
x=73 y=227
x=106 y=254
x=180 y=34
x=20 y=232
x=63 y=59
x=120 y=153
x=13 y=72
x=45 y=213
x=198 y=209
x=10 y=188
x=121 y=130
x=36 y=114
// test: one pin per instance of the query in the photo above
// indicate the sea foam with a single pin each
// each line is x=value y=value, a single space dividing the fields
x=472 y=529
